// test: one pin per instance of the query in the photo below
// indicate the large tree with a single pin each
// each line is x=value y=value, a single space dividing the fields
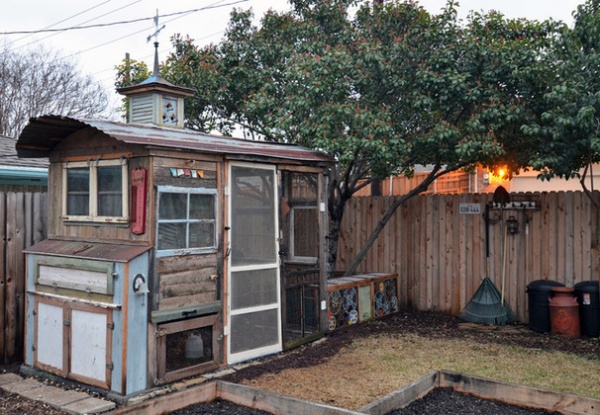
x=568 y=131
x=383 y=89
x=39 y=81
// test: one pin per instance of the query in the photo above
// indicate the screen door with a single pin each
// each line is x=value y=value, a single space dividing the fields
x=254 y=316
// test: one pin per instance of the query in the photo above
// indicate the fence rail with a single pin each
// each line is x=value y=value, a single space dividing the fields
x=22 y=223
x=442 y=254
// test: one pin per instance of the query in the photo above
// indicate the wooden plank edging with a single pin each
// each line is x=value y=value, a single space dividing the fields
x=273 y=403
x=510 y=393
x=514 y=394
x=404 y=396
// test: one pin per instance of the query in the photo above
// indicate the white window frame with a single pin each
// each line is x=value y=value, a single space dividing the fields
x=93 y=165
x=188 y=191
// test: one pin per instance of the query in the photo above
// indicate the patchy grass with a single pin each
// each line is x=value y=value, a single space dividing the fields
x=370 y=368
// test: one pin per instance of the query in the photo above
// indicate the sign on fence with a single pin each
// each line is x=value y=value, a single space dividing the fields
x=470 y=208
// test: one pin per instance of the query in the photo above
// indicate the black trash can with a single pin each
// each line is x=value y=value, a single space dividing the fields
x=588 y=296
x=539 y=307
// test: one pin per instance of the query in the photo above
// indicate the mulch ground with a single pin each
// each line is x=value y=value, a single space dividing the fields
x=445 y=401
x=428 y=324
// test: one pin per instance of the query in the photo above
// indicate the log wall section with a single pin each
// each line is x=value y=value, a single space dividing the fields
x=440 y=254
x=22 y=224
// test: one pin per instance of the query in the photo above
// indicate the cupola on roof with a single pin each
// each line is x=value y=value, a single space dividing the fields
x=156 y=100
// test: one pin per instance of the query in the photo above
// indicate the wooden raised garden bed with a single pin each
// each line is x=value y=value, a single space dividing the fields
x=485 y=388
x=276 y=404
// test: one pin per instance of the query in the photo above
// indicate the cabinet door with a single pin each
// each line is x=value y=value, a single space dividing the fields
x=89 y=345
x=49 y=337
x=73 y=340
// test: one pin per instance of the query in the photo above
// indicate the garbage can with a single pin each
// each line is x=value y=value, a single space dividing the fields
x=539 y=307
x=589 y=307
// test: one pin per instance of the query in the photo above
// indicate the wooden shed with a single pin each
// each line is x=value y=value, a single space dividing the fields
x=170 y=252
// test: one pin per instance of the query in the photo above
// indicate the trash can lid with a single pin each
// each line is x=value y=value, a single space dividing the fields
x=543 y=285
x=588 y=286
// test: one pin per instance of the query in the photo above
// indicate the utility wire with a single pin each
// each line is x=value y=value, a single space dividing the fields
x=21 y=32
x=82 y=23
x=64 y=20
x=212 y=6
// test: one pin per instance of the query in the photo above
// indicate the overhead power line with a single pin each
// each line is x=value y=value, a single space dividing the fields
x=80 y=24
x=47 y=30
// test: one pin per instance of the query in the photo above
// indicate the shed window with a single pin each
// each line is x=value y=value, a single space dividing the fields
x=96 y=191
x=186 y=221
x=303 y=221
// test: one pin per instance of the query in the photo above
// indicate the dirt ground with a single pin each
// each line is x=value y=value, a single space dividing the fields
x=425 y=324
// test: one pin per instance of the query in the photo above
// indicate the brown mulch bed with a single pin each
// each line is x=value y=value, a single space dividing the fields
x=428 y=324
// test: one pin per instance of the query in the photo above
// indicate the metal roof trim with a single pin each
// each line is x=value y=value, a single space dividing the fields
x=87 y=250
x=37 y=136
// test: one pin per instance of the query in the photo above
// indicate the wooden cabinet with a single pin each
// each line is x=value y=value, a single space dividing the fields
x=73 y=339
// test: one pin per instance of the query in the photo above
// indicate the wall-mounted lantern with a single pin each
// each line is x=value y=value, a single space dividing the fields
x=512 y=225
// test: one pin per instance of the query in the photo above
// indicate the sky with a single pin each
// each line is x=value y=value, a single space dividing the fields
x=98 y=50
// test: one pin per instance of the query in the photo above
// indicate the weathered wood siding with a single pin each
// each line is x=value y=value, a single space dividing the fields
x=81 y=146
x=440 y=254
x=187 y=280
x=22 y=224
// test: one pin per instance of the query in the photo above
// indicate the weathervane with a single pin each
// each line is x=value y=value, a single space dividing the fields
x=158 y=29
x=156 y=69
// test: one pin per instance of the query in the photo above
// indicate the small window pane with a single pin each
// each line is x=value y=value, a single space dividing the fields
x=189 y=348
x=202 y=206
x=202 y=235
x=306 y=232
x=78 y=191
x=171 y=235
x=173 y=206
x=110 y=179
x=110 y=197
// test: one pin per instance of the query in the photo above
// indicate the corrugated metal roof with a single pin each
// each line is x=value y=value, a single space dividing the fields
x=42 y=133
x=87 y=250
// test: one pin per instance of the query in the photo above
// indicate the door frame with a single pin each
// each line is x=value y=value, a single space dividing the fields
x=276 y=265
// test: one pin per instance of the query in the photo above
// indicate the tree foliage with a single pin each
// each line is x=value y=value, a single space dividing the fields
x=38 y=82
x=130 y=72
x=567 y=133
x=383 y=89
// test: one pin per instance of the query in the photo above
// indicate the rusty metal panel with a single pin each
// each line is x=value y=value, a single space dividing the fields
x=43 y=133
x=88 y=250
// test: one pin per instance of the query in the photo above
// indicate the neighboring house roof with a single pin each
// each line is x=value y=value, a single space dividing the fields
x=42 y=133
x=20 y=171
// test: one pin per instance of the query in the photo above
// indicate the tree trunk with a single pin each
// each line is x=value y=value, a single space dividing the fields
x=388 y=215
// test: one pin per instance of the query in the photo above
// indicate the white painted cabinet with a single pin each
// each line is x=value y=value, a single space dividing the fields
x=73 y=339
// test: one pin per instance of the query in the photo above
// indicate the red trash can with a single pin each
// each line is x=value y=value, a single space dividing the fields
x=564 y=312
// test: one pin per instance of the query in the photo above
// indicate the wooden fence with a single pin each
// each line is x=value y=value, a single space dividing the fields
x=442 y=253
x=22 y=223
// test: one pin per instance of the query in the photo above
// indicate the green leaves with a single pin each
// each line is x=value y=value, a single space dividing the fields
x=567 y=130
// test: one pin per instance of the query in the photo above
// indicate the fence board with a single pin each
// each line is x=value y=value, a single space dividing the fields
x=440 y=254
x=3 y=276
x=22 y=223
